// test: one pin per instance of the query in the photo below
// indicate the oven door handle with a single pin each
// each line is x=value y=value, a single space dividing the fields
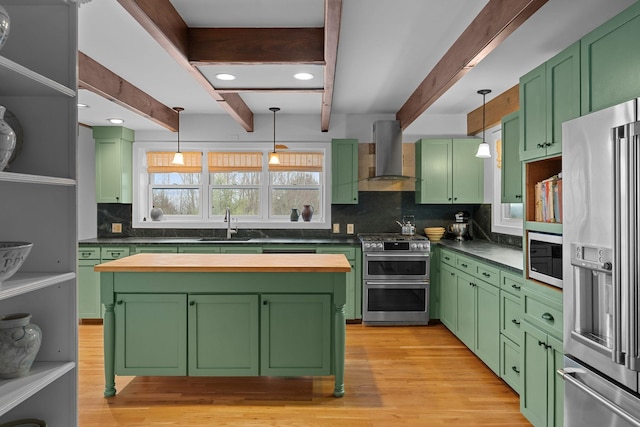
x=419 y=255
x=406 y=283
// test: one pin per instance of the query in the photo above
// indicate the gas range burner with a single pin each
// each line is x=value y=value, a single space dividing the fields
x=389 y=237
x=387 y=242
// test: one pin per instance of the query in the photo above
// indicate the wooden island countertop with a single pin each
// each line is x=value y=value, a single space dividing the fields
x=246 y=263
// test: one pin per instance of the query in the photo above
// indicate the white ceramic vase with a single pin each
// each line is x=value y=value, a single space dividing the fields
x=5 y=23
x=19 y=344
x=7 y=140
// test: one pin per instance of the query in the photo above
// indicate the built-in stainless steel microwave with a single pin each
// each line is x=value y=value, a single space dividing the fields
x=544 y=252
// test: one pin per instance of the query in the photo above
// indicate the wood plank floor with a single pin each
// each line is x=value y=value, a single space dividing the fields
x=394 y=376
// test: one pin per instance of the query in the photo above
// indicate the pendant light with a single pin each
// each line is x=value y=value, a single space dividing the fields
x=274 y=159
x=483 y=148
x=178 y=159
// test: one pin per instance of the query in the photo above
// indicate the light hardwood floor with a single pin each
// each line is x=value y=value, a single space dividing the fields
x=394 y=376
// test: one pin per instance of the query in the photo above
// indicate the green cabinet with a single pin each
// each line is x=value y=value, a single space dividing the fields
x=344 y=171
x=447 y=171
x=511 y=167
x=541 y=398
x=610 y=62
x=448 y=297
x=156 y=249
x=353 y=307
x=295 y=335
x=224 y=335
x=199 y=249
x=89 y=306
x=511 y=329
x=470 y=305
x=549 y=96
x=150 y=334
x=241 y=249
x=114 y=175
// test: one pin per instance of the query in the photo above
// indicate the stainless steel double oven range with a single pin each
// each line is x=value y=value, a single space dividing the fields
x=395 y=279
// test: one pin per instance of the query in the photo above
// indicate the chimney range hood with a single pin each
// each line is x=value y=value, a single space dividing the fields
x=387 y=137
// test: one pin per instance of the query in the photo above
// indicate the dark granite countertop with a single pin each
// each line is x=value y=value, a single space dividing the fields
x=197 y=241
x=503 y=256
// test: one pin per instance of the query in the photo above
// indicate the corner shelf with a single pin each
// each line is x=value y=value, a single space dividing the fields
x=536 y=171
x=41 y=374
x=22 y=283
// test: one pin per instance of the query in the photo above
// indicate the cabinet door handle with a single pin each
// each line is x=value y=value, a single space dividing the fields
x=547 y=316
x=192 y=303
x=455 y=198
x=449 y=199
x=453 y=274
x=515 y=322
x=265 y=302
x=516 y=287
x=119 y=302
x=515 y=369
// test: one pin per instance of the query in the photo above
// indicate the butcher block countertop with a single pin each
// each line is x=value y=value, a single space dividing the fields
x=241 y=263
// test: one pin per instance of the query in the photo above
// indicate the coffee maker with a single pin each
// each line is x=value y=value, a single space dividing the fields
x=460 y=229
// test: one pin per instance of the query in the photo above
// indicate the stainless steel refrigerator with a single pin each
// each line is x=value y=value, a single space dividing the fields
x=601 y=232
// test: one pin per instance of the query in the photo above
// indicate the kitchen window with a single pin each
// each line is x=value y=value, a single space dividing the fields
x=259 y=195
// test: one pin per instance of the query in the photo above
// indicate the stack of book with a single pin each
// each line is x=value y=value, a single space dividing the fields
x=548 y=199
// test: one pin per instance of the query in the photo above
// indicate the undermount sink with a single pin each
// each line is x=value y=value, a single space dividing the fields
x=222 y=239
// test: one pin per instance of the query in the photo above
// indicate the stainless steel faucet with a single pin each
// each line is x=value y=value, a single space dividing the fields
x=227 y=219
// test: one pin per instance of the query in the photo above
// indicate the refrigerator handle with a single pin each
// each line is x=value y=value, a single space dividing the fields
x=619 y=251
x=633 y=132
x=566 y=376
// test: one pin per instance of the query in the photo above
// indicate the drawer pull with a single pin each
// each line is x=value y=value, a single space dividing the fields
x=515 y=322
x=464 y=265
x=85 y=255
x=542 y=344
x=447 y=258
x=516 y=287
x=547 y=316
x=120 y=302
x=515 y=369
x=486 y=274
x=192 y=303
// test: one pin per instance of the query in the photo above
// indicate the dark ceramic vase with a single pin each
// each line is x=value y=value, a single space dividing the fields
x=295 y=214
x=307 y=212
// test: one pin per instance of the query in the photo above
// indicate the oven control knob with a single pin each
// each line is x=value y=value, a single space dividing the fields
x=607 y=266
x=379 y=245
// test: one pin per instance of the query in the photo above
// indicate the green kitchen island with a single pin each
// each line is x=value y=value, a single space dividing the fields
x=224 y=315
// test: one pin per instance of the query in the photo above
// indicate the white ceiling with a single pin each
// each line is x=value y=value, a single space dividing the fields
x=386 y=48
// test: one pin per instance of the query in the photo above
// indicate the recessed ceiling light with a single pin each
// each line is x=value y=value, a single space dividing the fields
x=225 y=76
x=80 y=105
x=115 y=121
x=303 y=76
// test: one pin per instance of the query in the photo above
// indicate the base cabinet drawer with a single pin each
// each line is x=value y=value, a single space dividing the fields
x=510 y=360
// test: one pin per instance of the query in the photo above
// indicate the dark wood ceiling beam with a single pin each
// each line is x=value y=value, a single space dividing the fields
x=332 y=17
x=160 y=19
x=101 y=81
x=256 y=46
x=495 y=22
x=505 y=103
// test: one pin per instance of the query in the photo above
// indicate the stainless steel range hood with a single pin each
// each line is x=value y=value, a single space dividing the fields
x=387 y=137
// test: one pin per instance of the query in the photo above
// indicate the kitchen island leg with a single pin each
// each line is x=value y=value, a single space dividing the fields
x=109 y=351
x=339 y=344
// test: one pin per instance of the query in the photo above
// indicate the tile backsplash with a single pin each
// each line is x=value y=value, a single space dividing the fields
x=376 y=212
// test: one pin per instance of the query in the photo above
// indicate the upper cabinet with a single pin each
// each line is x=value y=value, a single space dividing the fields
x=448 y=171
x=344 y=172
x=549 y=96
x=610 y=62
x=511 y=166
x=38 y=80
x=114 y=173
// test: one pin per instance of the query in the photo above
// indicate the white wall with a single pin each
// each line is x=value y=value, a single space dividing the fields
x=86 y=185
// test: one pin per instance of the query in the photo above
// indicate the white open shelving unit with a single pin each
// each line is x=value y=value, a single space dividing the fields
x=38 y=80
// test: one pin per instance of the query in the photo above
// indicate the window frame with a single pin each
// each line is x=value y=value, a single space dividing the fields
x=142 y=195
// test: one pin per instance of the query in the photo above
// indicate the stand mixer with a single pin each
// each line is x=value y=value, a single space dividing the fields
x=460 y=229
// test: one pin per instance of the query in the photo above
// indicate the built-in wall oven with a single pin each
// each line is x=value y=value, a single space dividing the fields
x=395 y=279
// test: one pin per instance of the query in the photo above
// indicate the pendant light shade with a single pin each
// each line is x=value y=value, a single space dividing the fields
x=178 y=159
x=274 y=159
x=483 y=149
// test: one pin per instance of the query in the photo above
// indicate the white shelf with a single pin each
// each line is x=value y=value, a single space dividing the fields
x=21 y=81
x=36 y=179
x=22 y=283
x=17 y=390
